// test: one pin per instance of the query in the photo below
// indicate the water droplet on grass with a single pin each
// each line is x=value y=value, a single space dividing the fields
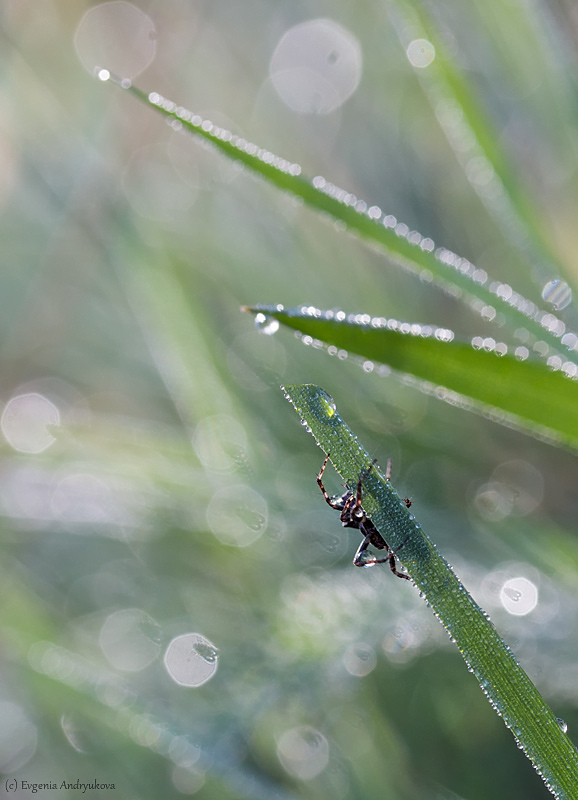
x=266 y=325
x=327 y=404
x=521 y=353
x=557 y=293
x=366 y=559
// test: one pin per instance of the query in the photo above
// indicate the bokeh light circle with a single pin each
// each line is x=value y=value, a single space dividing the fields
x=220 y=442
x=191 y=659
x=237 y=515
x=557 y=293
x=129 y=639
x=26 y=422
x=117 y=36
x=519 y=596
x=303 y=752
x=316 y=66
x=420 y=53
x=18 y=737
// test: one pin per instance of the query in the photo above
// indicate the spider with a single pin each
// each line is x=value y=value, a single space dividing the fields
x=354 y=516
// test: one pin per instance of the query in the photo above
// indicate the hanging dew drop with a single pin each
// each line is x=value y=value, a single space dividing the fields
x=366 y=559
x=557 y=293
x=266 y=325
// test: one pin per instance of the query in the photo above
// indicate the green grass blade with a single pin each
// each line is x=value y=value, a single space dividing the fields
x=474 y=142
x=403 y=246
x=542 y=401
x=508 y=688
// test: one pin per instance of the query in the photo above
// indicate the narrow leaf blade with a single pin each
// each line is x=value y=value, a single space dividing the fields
x=524 y=393
x=403 y=246
x=508 y=688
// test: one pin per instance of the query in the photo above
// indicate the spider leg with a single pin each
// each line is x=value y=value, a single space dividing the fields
x=358 y=557
x=328 y=500
x=359 y=561
x=347 y=516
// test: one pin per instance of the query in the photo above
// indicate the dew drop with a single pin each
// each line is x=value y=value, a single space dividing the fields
x=488 y=312
x=366 y=559
x=570 y=341
x=563 y=725
x=327 y=403
x=266 y=325
x=521 y=353
x=557 y=293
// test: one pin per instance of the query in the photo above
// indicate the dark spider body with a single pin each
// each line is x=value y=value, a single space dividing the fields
x=353 y=516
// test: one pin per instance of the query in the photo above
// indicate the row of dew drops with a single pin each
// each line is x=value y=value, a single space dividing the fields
x=269 y=325
x=556 y=292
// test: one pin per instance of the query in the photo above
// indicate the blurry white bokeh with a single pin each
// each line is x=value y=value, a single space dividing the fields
x=237 y=515
x=18 y=737
x=519 y=596
x=26 y=422
x=129 y=639
x=420 y=53
x=316 y=66
x=118 y=36
x=303 y=752
x=191 y=659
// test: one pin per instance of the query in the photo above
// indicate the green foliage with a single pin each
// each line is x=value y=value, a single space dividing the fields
x=542 y=402
x=406 y=248
x=527 y=394
x=151 y=470
x=506 y=685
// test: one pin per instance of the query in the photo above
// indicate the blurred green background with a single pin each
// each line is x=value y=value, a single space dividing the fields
x=154 y=482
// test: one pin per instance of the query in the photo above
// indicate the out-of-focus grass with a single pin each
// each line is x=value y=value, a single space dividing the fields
x=127 y=251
